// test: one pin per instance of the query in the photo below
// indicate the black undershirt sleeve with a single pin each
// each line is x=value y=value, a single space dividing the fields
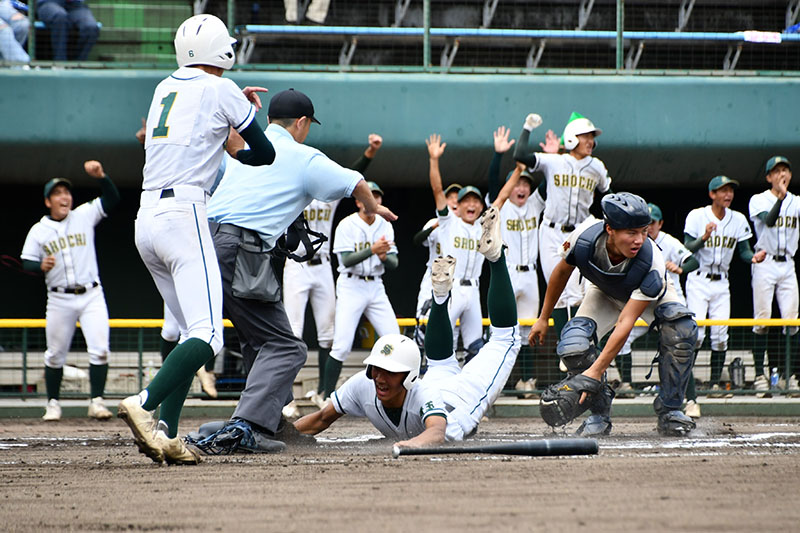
x=261 y=151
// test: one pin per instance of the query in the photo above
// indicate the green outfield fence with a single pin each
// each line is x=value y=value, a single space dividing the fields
x=135 y=344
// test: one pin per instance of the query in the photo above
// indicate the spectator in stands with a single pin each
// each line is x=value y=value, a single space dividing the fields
x=316 y=12
x=13 y=33
x=60 y=16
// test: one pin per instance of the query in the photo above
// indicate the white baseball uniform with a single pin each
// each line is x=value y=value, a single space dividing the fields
x=520 y=233
x=460 y=240
x=187 y=124
x=313 y=280
x=73 y=284
x=461 y=396
x=359 y=289
x=776 y=274
x=707 y=291
x=434 y=251
x=570 y=192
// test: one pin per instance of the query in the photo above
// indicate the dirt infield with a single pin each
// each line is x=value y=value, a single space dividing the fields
x=733 y=474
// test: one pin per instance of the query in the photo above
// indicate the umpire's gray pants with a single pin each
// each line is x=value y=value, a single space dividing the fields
x=272 y=354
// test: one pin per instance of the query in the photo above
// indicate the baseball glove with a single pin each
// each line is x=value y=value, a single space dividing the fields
x=559 y=403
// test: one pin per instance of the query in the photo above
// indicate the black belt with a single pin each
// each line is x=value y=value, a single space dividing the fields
x=365 y=278
x=167 y=193
x=465 y=282
x=562 y=227
x=524 y=268
x=74 y=290
x=779 y=258
x=716 y=277
x=315 y=261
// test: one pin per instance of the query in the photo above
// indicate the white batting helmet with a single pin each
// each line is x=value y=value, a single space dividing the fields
x=577 y=127
x=395 y=353
x=204 y=40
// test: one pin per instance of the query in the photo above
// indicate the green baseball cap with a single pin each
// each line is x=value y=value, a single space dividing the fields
x=453 y=187
x=720 y=181
x=50 y=185
x=375 y=188
x=775 y=161
x=655 y=212
x=469 y=189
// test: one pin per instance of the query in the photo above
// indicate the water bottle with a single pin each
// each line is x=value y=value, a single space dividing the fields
x=149 y=372
x=773 y=379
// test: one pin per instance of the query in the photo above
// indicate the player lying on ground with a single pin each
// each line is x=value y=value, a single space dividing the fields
x=448 y=403
x=627 y=279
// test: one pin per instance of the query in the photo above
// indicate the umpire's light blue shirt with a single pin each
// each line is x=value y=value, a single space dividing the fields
x=267 y=199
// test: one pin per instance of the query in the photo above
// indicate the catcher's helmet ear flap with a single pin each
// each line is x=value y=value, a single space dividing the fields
x=577 y=127
x=204 y=40
x=395 y=353
x=625 y=210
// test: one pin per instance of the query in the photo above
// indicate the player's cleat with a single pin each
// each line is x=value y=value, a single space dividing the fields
x=624 y=390
x=674 y=424
x=794 y=386
x=761 y=386
x=595 y=426
x=719 y=392
x=98 y=410
x=316 y=398
x=527 y=386
x=208 y=382
x=291 y=410
x=692 y=409
x=176 y=452
x=142 y=426
x=52 y=411
x=491 y=243
x=442 y=272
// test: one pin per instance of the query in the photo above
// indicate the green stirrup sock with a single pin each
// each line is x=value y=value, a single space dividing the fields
x=322 y=360
x=52 y=381
x=624 y=363
x=525 y=358
x=333 y=369
x=560 y=319
x=691 y=391
x=182 y=363
x=759 y=348
x=166 y=348
x=717 y=362
x=438 y=332
x=172 y=405
x=97 y=379
x=501 y=303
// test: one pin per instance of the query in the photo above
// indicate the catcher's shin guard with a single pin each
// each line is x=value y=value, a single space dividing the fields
x=676 y=353
x=578 y=345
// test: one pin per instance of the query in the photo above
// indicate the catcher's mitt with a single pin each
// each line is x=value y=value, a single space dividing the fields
x=559 y=403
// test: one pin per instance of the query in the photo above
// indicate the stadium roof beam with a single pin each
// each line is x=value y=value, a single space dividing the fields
x=400 y=10
x=684 y=13
x=792 y=13
x=584 y=12
x=634 y=55
x=732 y=57
x=489 y=7
x=347 y=51
x=449 y=53
x=535 y=53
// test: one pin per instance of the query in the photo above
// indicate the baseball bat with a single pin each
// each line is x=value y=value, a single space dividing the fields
x=544 y=447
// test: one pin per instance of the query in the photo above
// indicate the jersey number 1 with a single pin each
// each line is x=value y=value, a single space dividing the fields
x=162 y=130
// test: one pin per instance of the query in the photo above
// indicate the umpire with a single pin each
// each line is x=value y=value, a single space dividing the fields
x=250 y=211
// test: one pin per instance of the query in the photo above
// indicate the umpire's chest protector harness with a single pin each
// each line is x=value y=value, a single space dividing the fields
x=618 y=285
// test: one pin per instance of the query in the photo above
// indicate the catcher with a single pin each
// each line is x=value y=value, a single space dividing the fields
x=628 y=279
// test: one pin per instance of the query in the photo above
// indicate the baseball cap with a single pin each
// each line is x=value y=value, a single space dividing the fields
x=291 y=104
x=469 y=189
x=720 y=181
x=453 y=187
x=375 y=188
x=50 y=185
x=775 y=161
x=655 y=212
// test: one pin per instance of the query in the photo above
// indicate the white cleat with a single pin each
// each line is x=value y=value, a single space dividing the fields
x=692 y=409
x=208 y=382
x=316 y=398
x=98 y=410
x=761 y=386
x=175 y=451
x=491 y=243
x=52 y=412
x=291 y=410
x=142 y=426
x=442 y=272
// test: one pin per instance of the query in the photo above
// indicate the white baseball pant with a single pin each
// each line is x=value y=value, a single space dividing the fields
x=550 y=242
x=303 y=282
x=778 y=279
x=708 y=298
x=63 y=311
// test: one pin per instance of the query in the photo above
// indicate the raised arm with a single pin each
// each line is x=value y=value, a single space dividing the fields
x=109 y=197
x=261 y=151
x=505 y=192
x=502 y=144
x=375 y=143
x=435 y=150
x=522 y=153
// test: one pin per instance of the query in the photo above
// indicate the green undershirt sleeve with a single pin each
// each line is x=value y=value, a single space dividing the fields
x=353 y=258
x=521 y=153
x=691 y=243
x=745 y=252
x=421 y=235
x=31 y=266
x=391 y=262
x=109 y=197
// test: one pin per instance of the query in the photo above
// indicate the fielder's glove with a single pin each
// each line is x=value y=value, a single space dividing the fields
x=532 y=122
x=559 y=403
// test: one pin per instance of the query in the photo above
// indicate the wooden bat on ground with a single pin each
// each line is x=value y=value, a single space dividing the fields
x=544 y=447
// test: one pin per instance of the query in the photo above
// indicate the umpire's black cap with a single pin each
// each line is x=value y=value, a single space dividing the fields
x=291 y=104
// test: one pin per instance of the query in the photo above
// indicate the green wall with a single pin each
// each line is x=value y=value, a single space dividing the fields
x=666 y=131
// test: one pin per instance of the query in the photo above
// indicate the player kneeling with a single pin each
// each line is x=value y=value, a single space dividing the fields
x=449 y=402
x=627 y=276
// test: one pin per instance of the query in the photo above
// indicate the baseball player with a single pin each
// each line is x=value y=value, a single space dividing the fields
x=712 y=233
x=190 y=117
x=61 y=245
x=364 y=244
x=313 y=280
x=627 y=280
x=448 y=403
x=520 y=232
x=775 y=214
x=459 y=236
x=571 y=180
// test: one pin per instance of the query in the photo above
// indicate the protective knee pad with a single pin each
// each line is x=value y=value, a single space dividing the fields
x=676 y=354
x=577 y=347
